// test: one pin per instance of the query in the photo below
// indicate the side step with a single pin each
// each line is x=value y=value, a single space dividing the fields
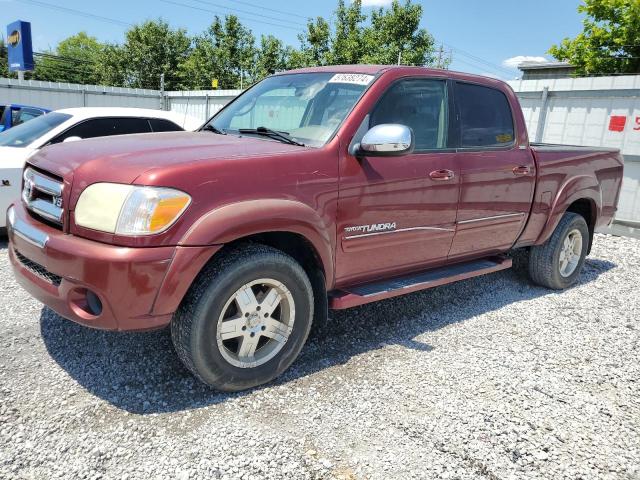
x=372 y=292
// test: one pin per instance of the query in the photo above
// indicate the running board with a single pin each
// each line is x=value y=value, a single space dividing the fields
x=372 y=292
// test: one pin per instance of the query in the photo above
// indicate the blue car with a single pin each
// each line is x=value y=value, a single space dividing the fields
x=14 y=114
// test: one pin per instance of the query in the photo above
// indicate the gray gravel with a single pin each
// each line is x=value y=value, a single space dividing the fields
x=487 y=378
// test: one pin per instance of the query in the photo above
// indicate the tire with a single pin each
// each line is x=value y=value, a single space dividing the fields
x=548 y=263
x=219 y=317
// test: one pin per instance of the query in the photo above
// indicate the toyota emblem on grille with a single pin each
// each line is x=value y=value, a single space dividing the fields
x=28 y=189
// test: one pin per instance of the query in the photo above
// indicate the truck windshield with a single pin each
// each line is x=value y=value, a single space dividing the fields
x=306 y=107
x=26 y=133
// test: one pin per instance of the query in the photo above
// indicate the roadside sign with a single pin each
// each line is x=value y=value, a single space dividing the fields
x=19 y=47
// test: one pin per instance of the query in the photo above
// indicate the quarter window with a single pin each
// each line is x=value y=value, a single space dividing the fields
x=484 y=116
x=420 y=104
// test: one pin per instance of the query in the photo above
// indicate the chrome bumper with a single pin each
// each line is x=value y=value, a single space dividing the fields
x=24 y=230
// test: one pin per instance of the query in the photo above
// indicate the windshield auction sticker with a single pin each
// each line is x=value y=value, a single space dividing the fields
x=353 y=78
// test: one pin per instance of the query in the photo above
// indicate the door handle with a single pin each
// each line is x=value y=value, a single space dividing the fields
x=442 y=175
x=522 y=170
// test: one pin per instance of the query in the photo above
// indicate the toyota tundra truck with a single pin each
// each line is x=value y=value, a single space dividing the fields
x=316 y=189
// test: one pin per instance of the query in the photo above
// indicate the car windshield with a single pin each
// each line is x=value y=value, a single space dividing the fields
x=306 y=107
x=24 y=134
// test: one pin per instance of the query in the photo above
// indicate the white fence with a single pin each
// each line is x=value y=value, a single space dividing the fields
x=198 y=104
x=65 y=95
x=598 y=111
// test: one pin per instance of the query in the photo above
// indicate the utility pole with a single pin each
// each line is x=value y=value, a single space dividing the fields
x=162 y=102
x=400 y=57
x=440 y=63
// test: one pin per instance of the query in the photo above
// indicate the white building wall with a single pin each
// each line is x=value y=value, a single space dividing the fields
x=579 y=111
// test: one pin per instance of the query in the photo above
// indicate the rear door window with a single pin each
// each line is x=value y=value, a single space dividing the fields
x=484 y=116
x=104 y=127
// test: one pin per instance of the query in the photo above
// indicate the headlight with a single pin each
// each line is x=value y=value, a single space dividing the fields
x=129 y=209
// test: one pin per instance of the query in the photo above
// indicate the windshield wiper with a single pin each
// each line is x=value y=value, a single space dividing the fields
x=210 y=128
x=267 y=132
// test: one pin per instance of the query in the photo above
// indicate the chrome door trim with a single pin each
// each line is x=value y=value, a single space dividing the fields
x=362 y=235
x=494 y=217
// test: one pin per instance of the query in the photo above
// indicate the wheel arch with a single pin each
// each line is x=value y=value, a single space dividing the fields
x=290 y=226
x=581 y=195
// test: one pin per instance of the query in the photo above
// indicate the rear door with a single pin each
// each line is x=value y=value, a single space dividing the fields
x=497 y=177
x=393 y=215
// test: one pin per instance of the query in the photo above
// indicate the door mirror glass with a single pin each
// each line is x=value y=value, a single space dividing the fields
x=71 y=139
x=388 y=139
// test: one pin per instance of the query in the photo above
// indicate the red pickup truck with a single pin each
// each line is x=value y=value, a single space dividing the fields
x=317 y=188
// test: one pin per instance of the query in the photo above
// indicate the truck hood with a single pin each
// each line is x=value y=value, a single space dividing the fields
x=123 y=158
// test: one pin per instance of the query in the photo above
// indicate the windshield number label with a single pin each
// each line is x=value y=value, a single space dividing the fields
x=352 y=78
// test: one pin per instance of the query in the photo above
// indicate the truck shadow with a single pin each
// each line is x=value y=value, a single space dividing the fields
x=140 y=373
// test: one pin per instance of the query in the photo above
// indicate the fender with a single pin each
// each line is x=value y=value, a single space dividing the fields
x=242 y=219
x=576 y=188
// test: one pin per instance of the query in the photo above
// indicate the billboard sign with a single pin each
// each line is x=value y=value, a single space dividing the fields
x=19 y=46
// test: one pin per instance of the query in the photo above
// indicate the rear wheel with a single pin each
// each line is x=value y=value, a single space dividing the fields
x=558 y=262
x=245 y=319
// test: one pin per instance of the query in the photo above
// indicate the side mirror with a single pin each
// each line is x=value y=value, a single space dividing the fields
x=71 y=139
x=387 y=140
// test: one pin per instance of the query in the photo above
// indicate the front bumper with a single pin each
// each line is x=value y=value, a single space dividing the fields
x=137 y=288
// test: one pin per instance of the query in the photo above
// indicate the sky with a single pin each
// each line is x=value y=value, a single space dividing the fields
x=488 y=37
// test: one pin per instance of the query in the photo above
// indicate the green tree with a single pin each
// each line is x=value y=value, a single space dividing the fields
x=151 y=49
x=226 y=51
x=348 y=44
x=271 y=57
x=355 y=37
x=74 y=60
x=395 y=33
x=112 y=68
x=315 y=45
x=609 y=42
x=4 y=60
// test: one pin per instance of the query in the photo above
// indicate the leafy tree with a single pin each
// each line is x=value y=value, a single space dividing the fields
x=314 y=45
x=355 y=37
x=226 y=51
x=610 y=41
x=112 y=68
x=271 y=57
x=348 y=43
x=75 y=60
x=396 y=33
x=151 y=49
x=4 y=60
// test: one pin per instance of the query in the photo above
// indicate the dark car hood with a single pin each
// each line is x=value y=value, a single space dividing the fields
x=123 y=158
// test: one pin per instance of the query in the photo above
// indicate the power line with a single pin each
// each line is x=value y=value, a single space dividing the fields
x=214 y=12
x=247 y=12
x=80 y=13
x=271 y=9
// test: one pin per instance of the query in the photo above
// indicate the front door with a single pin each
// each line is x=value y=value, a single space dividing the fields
x=497 y=178
x=397 y=214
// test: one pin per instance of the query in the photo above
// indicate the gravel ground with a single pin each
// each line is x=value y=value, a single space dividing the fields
x=487 y=378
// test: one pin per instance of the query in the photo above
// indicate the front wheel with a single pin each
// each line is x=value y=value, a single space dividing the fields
x=557 y=263
x=245 y=318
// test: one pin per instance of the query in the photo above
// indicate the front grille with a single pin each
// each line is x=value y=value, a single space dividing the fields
x=42 y=195
x=38 y=269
